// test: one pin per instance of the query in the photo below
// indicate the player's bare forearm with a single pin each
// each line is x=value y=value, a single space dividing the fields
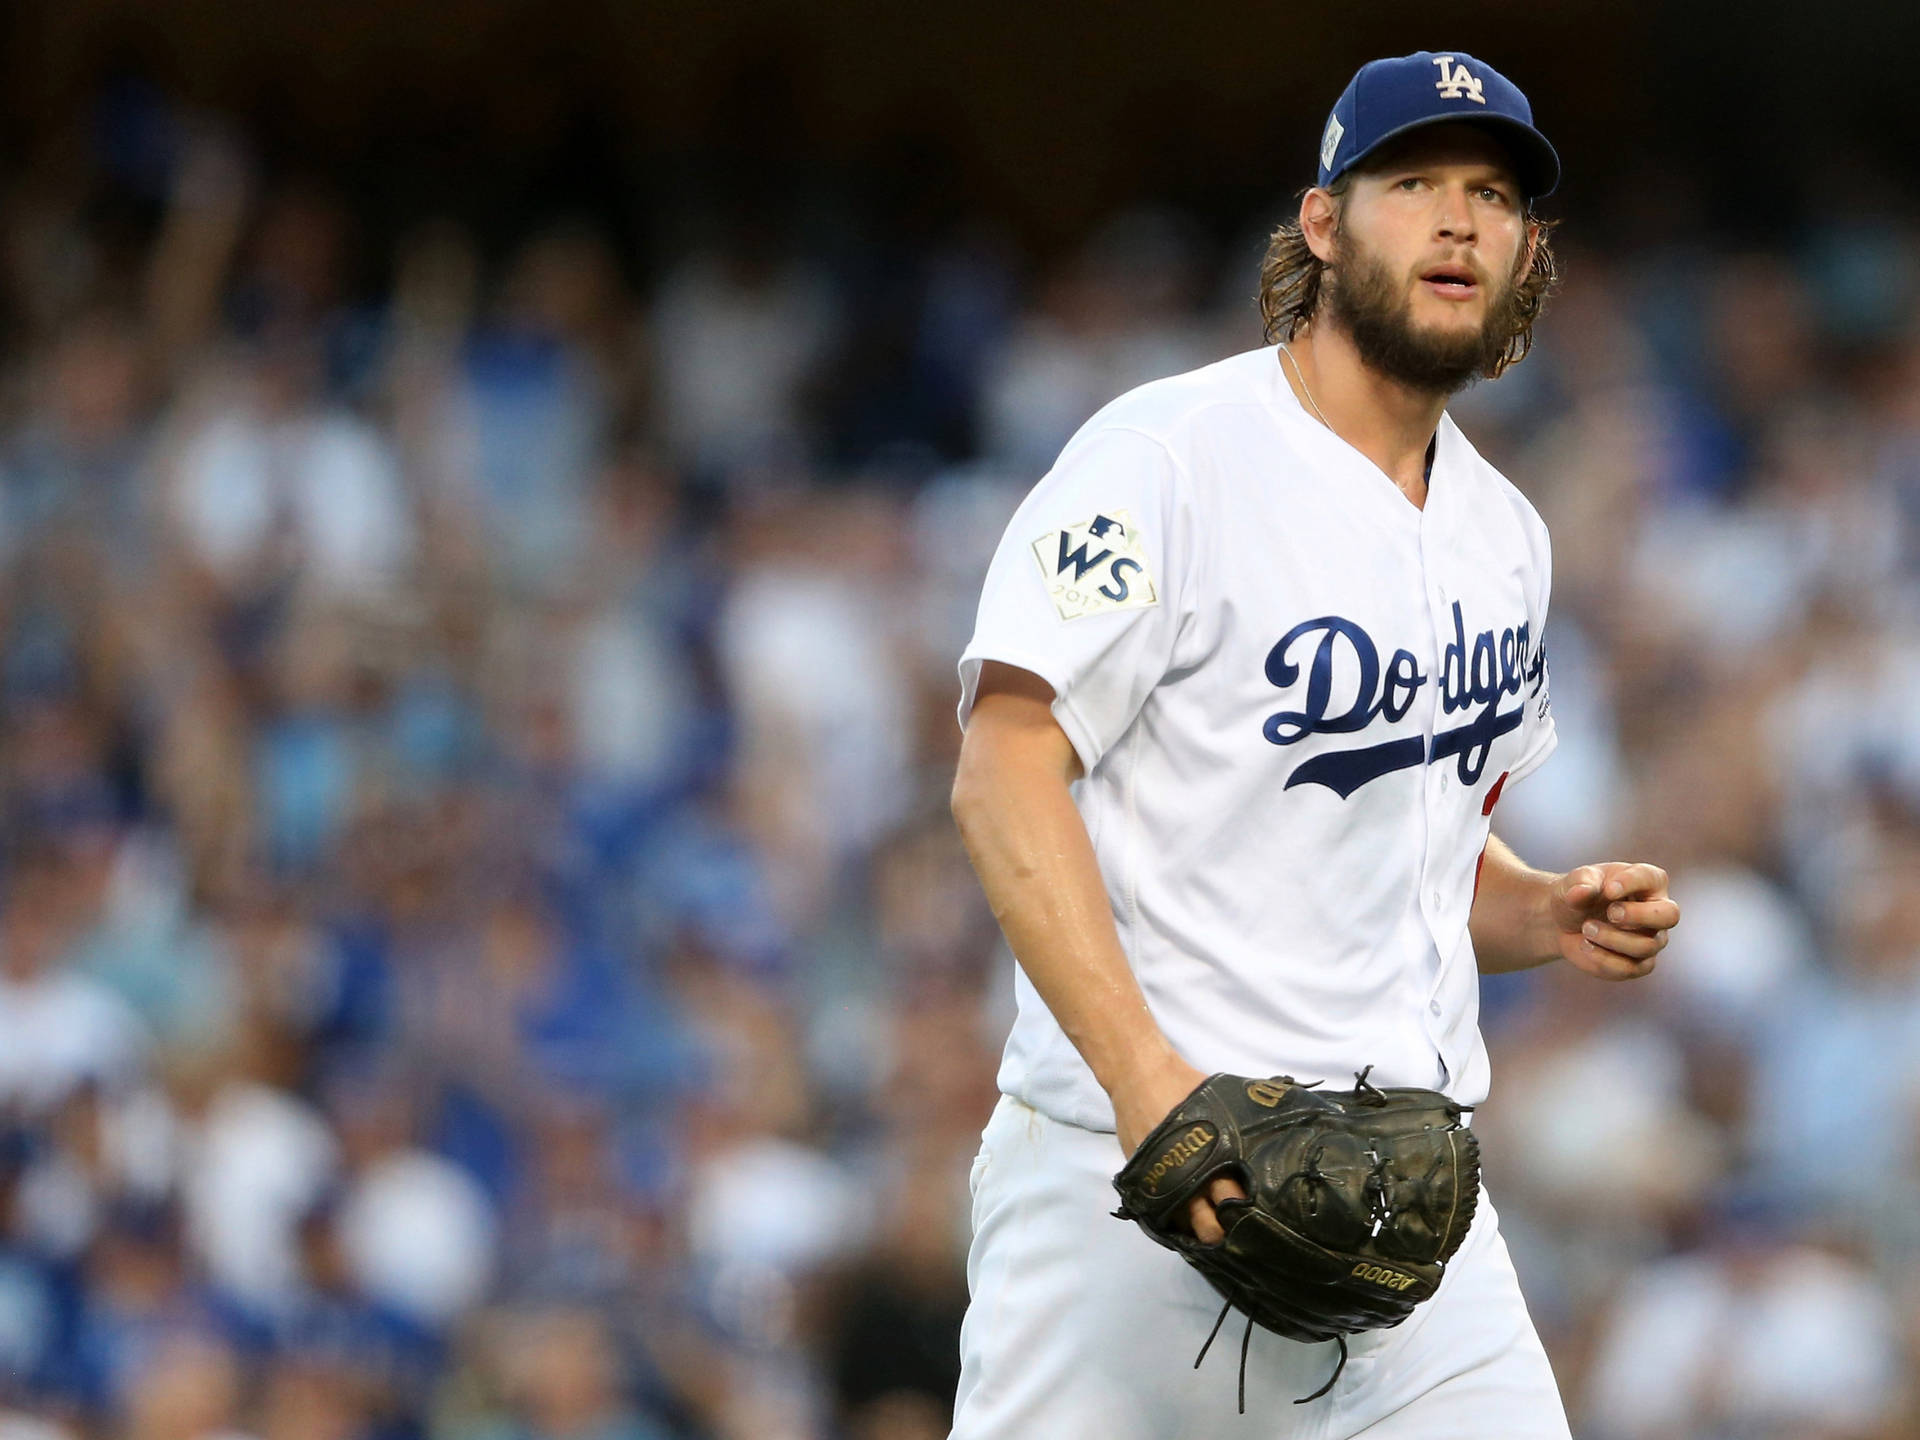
x=1035 y=861
x=1609 y=919
x=1030 y=849
x=1511 y=921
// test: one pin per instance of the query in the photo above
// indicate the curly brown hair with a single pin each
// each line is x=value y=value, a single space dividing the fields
x=1290 y=276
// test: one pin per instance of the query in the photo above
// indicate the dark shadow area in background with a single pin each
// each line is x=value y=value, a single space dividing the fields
x=1049 y=116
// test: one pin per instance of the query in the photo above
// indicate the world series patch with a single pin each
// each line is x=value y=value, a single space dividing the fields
x=1096 y=566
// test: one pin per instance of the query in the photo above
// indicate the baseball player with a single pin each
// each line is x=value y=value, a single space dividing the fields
x=1254 y=664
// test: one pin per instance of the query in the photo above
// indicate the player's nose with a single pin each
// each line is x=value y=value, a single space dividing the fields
x=1454 y=220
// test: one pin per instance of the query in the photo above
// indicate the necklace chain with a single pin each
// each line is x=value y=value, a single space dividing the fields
x=1305 y=389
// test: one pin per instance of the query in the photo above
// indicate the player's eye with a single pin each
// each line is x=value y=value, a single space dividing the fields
x=1493 y=195
x=1411 y=182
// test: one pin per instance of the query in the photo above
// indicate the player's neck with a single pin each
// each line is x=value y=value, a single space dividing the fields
x=1390 y=423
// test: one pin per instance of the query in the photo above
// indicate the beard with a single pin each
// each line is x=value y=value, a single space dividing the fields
x=1371 y=305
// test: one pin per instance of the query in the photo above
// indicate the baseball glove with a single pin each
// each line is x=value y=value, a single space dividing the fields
x=1356 y=1200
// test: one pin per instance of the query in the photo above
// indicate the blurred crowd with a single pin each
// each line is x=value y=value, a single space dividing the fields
x=483 y=954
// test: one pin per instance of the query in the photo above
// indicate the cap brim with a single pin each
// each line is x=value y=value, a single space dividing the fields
x=1536 y=163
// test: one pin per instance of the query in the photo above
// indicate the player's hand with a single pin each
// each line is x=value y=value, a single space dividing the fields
x=1612 y=919
x=1146 y=1099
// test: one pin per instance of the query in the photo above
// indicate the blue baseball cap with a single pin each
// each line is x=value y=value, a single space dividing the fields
x=1387 y=98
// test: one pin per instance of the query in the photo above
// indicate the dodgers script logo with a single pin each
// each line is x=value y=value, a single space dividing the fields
x=1475 y=676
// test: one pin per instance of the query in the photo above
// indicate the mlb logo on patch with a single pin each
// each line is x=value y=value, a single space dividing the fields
x=1095 y=566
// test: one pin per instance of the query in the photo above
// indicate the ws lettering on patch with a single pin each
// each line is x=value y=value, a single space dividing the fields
x=1096 y=566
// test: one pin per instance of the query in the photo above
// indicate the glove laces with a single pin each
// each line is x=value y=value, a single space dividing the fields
x=1246 y=1339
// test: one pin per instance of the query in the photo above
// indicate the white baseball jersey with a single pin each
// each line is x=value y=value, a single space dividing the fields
x=1296 y=698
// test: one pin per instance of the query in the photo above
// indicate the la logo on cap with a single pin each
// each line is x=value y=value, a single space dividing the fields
x=1455 y=83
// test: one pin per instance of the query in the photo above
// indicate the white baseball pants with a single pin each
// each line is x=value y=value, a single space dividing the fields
x=1081 y=1328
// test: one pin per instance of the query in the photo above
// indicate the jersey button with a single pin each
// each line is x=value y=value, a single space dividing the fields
x=1443 y=784
x=1434 y=1006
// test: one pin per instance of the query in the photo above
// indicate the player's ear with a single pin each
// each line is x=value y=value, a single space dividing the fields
x=1530 y=248
x=1319 y=219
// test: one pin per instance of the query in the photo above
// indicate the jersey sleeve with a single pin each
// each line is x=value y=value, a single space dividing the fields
x=1538 y=737
x=1087 y=587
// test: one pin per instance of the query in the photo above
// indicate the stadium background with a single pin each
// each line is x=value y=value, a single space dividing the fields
x=490 y=496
